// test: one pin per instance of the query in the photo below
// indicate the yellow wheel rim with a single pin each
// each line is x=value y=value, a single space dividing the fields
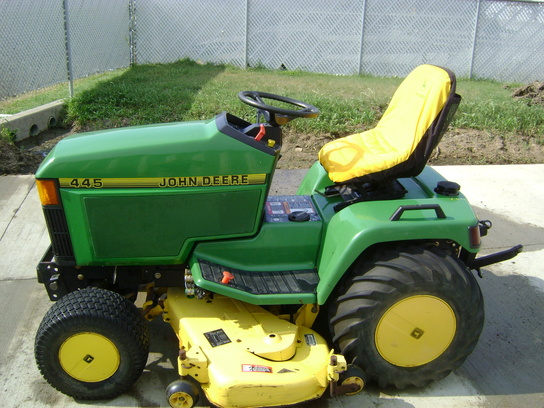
x=180 y=400
x=354 y=380
x=415 y=331
x=89 y=357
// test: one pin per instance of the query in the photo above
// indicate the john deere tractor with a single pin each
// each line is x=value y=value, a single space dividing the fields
x=366 y=274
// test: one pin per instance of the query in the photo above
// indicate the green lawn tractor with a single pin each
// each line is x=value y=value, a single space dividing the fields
x=366 y=274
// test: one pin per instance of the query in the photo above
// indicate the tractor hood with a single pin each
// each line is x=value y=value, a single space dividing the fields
x=144 y=195
x=181 y=149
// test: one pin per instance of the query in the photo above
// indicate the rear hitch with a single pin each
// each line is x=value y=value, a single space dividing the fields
x=484 y=226
x=479 y=263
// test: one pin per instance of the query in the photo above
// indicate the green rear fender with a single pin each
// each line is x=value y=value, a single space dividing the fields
x=360 y=226
x=353 y=230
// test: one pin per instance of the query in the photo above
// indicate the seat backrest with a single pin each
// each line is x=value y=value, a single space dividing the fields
x=401 y=143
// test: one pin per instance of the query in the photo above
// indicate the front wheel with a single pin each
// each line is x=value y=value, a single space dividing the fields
x=408 y=317
x=92 y=344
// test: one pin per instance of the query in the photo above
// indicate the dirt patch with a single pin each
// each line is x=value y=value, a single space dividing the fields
x=533 y=93
x=25 y=157
x=458 y=146
x=469 y=146
x=299 y=151
x=14 y=160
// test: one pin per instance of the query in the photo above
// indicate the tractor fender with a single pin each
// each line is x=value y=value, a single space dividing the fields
x=357 y=227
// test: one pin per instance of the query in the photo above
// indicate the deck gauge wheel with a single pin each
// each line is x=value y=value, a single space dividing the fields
x=182 y=394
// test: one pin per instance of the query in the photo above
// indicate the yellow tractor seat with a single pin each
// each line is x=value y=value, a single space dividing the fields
x=402 y=141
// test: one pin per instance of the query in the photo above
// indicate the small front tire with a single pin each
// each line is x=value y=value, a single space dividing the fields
x=92 y=344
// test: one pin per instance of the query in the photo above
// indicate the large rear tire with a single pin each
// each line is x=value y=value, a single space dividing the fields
x=92 y=344
x=407 y=317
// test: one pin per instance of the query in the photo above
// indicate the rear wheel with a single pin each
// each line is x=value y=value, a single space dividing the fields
x=408 y=317
x=92 y=344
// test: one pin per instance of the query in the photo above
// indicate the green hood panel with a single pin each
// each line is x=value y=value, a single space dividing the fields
x=180 y=149
x=144 y=195
x=152 y=227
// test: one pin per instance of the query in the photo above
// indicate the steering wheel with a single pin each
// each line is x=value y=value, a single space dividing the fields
x=274 y=115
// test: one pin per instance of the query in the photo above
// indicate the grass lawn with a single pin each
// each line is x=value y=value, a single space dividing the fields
x=186 y=90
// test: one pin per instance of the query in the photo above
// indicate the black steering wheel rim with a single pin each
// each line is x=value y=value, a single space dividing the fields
x=255 y=99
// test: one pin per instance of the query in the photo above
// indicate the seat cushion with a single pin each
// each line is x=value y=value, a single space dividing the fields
x=413 y=108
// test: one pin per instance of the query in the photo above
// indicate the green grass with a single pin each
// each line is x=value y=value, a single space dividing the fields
x=189 y=91
x=6 y=136
x=489 y=106
x=186 y=90
x=59 y=91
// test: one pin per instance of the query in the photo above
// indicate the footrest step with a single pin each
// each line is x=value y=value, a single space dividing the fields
x=262 y=283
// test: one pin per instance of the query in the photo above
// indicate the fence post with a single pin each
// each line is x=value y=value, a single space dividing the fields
x=68 y=46
x=476 y=23
x=246 y=57
x=363 y=18
x=132 y=31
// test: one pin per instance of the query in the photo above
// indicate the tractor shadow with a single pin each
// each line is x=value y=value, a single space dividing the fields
x=163 y=353
x=507 y=233
x=508 y=359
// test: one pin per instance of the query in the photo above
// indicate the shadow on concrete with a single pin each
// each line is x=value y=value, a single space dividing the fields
x=508 y=359
x=508 y=233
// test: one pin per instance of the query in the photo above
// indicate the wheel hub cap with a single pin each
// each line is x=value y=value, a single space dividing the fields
x=89 y=357
x=180 y=400
x=415 y=331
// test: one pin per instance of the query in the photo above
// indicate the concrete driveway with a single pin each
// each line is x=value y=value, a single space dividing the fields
x=505 y=370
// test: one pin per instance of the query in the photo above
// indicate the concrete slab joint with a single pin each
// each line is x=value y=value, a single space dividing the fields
x=33 y=121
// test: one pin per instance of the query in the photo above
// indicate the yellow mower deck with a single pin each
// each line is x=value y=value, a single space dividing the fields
x=244 y=356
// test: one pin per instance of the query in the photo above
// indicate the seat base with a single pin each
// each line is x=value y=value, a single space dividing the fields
x=356 y=193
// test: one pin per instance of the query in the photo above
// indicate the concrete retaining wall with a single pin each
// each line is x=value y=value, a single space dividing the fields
x=34 y=121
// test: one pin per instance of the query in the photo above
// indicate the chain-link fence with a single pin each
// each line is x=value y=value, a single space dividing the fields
x=49 y=41
x=403 y=34
x=316 y=36
x=207 y=30
x=99 y=35
x=45 y=42
x=32 y=51
x=509 y=41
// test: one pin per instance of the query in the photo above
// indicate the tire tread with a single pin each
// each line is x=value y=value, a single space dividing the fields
x=91 y=307
x=392 y=274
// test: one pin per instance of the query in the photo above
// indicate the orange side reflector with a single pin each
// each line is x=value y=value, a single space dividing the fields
x=474 y=236
x=47 y=190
